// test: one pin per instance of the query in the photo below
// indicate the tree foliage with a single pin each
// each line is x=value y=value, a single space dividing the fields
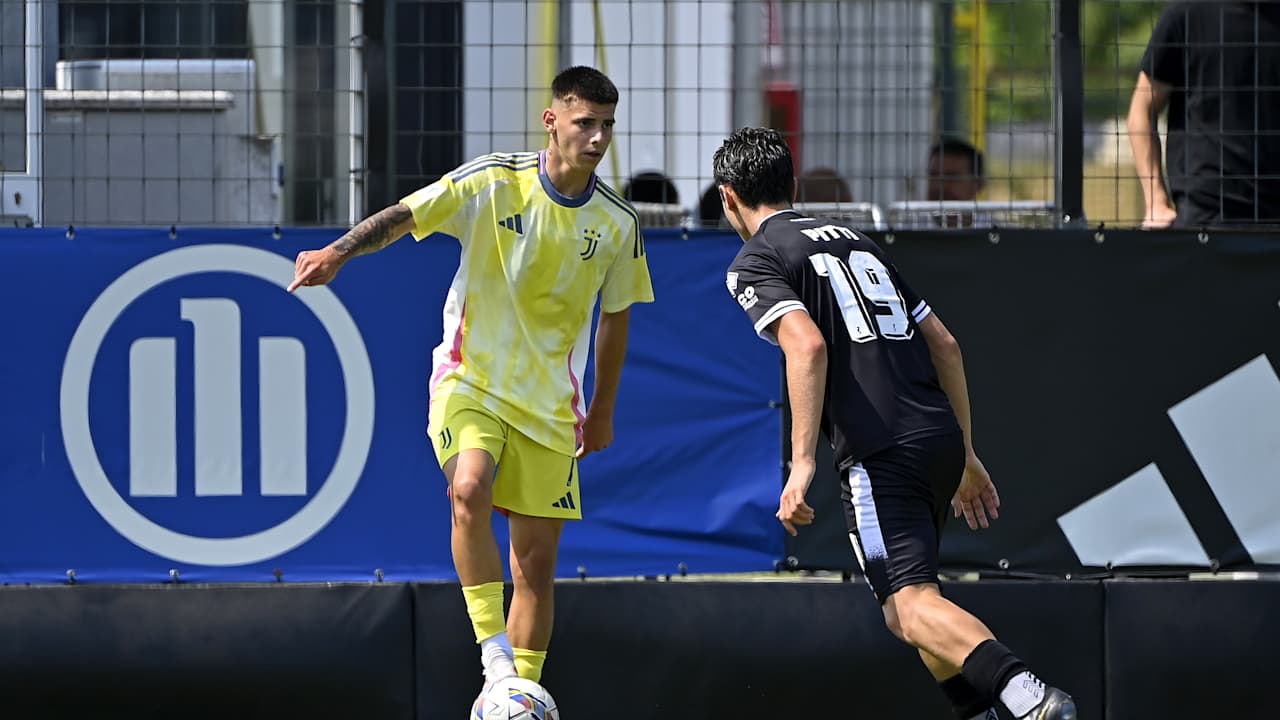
x=1017 y=39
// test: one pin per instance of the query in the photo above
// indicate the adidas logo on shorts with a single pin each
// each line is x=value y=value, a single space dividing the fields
x=565 y=503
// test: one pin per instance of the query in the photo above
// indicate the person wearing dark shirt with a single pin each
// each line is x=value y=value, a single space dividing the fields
x=871 y=365
x=1216 y=67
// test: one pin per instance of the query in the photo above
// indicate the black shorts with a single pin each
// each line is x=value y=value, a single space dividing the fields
x=895 y=503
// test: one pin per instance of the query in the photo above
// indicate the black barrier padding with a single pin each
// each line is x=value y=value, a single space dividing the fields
x=206 y=652
x=448 y=659
x=1178 y=649
x=733 y=650
x=1056 y=627
x=713 y=651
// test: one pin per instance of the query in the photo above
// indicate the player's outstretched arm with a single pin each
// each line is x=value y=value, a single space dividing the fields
x=318 y=267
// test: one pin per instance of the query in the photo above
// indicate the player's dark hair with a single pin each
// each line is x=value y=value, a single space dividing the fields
x=584 y=83
x=951 y=145
x=756 y=163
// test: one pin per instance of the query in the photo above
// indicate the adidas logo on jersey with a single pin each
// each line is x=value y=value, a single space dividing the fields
x=565 y=503
x=513 y=223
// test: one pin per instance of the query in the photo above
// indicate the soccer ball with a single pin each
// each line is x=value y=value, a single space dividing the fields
x=515 y=698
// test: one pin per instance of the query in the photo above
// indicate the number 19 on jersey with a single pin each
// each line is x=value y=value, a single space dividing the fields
x=872 y=307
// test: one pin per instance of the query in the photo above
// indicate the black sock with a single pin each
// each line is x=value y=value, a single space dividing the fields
x=965 y=700
x=989 y=668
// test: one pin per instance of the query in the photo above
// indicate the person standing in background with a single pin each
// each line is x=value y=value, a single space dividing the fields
x=1216 y=67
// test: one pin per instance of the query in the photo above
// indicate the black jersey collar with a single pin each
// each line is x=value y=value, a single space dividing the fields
x=760 y=227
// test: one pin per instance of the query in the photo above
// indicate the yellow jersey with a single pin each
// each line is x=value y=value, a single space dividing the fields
x=517 y=317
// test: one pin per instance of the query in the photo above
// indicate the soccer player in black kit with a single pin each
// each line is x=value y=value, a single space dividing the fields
x=869 y=363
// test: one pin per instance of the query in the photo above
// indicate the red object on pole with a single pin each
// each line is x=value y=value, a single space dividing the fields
x=782 y=101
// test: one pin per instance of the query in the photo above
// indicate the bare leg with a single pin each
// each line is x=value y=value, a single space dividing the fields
x=942 y=631
x=939 y=669
x=534 y=544
x=475 y=552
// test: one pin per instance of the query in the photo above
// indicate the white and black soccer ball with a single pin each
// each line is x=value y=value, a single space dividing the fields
x=515 y=698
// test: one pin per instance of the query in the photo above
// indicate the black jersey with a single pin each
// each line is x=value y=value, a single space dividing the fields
x=882 y=387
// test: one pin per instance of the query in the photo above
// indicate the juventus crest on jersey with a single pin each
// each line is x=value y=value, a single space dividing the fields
x=882 y=387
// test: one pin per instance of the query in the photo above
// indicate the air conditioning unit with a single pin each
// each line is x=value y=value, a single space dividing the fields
x=235 y=75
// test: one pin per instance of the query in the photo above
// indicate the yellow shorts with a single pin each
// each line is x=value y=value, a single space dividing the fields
x=531 y=479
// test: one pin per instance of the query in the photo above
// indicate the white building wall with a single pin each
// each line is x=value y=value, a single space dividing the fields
x=865 y=69
x=670 y=60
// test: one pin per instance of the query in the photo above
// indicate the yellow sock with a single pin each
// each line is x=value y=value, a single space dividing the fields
x=529 y=663
x=484 y=605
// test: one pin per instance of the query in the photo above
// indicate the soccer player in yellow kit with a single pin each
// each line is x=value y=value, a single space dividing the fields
x=542 y=237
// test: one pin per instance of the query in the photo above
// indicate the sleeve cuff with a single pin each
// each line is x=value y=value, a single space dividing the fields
x=921 y=312
x=775 y=312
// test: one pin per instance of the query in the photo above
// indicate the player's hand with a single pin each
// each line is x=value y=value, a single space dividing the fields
x=792 y=509
x=597 y=433
x=976 y=498
x=315 y=267
x=1159 y=216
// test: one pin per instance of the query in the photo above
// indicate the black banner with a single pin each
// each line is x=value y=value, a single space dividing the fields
x=1124 y=397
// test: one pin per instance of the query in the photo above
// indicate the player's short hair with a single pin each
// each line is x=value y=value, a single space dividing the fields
x=951 y=145
x=584 y=83
x=756 y=163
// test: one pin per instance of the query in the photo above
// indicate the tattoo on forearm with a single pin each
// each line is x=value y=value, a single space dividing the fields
x=374 y=232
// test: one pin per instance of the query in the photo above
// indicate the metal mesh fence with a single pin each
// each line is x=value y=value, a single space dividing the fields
x=904 y=113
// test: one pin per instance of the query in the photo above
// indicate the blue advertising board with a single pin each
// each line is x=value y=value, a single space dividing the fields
x=168 y=406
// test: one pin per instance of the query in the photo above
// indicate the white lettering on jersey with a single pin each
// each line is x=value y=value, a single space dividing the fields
x=731 y=281
x=748 y=298
x=829 y=232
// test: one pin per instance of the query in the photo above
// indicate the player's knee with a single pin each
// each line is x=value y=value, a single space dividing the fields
x=910 y=614
x=891 y=620
x=472 y=496
x=910 y=629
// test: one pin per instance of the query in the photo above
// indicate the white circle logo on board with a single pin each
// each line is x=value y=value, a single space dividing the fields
x=216 y=327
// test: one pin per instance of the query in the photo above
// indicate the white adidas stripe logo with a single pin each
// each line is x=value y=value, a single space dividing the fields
x=1232 y=428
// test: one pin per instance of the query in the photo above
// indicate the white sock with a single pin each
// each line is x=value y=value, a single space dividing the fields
x=1022 y=694
x=497 y=656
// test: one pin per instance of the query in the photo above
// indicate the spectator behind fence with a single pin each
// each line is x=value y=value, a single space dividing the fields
x=651 y=187
x=823 y=185
x=1216 y=67
x=710 y=209
x=957 y=173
